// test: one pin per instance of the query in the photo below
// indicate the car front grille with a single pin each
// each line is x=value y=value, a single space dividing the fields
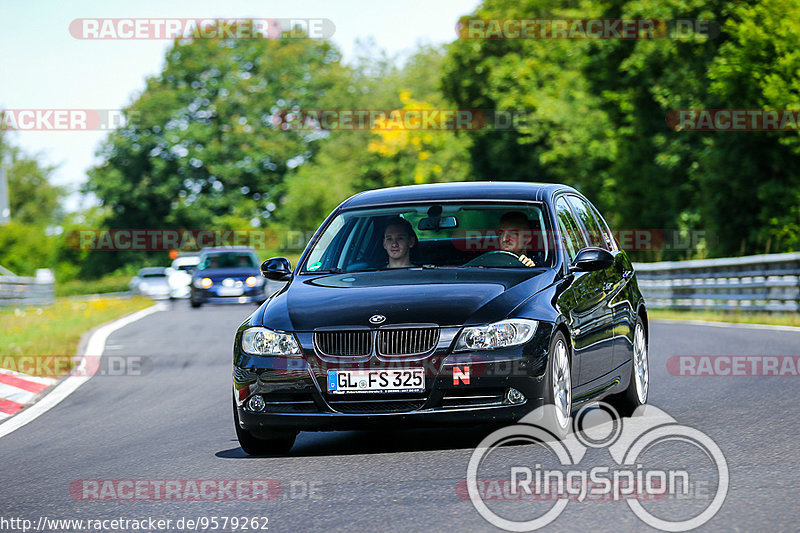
x=407 y=341
x=344 y=343
x=391 y=341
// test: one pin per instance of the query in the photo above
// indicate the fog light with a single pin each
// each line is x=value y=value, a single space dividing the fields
x=514 y=397
x=256 y=403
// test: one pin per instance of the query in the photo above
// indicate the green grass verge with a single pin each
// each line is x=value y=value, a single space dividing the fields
x=739 y=317
x=77 y=287
x=56 y=330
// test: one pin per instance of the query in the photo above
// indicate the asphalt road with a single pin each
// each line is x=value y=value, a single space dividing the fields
x=174 y=422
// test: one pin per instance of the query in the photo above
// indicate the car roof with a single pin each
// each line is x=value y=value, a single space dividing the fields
x=473 y=190
x=186 y=260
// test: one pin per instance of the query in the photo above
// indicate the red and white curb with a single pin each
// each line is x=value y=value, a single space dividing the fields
x=17 y=389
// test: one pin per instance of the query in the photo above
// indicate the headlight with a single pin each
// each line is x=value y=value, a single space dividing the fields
x=252 y=281
x=501 y=334
x=263 y=341
x=204 y=283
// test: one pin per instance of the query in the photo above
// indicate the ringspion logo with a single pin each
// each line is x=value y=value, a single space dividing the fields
x=543 y=492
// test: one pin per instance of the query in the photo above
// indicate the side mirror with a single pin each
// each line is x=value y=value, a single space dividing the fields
x=592 y=259
x=277 y=269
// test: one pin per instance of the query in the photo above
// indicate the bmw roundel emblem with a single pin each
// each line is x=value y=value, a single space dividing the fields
x=377 y=319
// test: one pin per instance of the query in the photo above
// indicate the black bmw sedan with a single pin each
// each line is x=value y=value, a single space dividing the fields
x=447 y=304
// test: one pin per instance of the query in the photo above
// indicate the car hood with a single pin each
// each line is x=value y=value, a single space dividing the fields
x=447 y=297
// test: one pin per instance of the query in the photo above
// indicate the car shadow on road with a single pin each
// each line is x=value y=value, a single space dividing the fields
x=375 y=441
x=310 y=444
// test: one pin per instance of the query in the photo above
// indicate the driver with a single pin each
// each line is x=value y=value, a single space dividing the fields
x=516 y=235
x=398 y=239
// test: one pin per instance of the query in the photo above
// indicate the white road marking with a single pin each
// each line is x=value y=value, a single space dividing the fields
x=728 y=324
x=94 y=347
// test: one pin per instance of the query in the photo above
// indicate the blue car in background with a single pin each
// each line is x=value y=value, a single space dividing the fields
x=227 y=275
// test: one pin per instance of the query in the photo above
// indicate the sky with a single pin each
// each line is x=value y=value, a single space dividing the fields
x=44 y=67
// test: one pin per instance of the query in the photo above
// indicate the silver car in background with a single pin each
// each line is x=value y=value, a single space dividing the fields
x=151 y=282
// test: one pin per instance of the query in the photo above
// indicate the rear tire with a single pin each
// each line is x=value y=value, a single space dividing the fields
x=280 y=444
x=638 y=389
x=195 y=304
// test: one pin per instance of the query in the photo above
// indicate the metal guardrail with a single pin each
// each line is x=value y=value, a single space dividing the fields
x=21 y=291
x=752 y=283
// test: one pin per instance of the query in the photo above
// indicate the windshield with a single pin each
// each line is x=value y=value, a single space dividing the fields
x=228 y=260
x=160 y=274
x=442 y=235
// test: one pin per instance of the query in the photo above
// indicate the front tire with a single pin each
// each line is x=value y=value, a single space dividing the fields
x=279 y=444
x=558 y=387
x=638 y=389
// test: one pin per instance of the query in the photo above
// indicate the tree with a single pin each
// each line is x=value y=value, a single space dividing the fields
x=565 y=135
x=204 y=139
x=35 y=204
x=33 y=199
x=351 y=161
x=599 y=109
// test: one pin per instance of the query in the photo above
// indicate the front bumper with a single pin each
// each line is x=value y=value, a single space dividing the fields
x=211 y=296
x=296 y=395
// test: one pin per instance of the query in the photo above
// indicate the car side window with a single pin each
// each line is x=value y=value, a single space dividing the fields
x=591 y=228
x=608 y=237
x=570 y=235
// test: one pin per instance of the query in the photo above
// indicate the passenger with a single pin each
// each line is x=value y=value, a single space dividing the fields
x=516 y=236
x=398 y=239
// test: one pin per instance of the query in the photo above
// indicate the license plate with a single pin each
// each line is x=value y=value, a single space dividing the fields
x=389 y=380
x=230 y=291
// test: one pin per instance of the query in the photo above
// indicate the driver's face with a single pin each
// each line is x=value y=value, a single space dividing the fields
x=396 y=242
x=513 y=237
